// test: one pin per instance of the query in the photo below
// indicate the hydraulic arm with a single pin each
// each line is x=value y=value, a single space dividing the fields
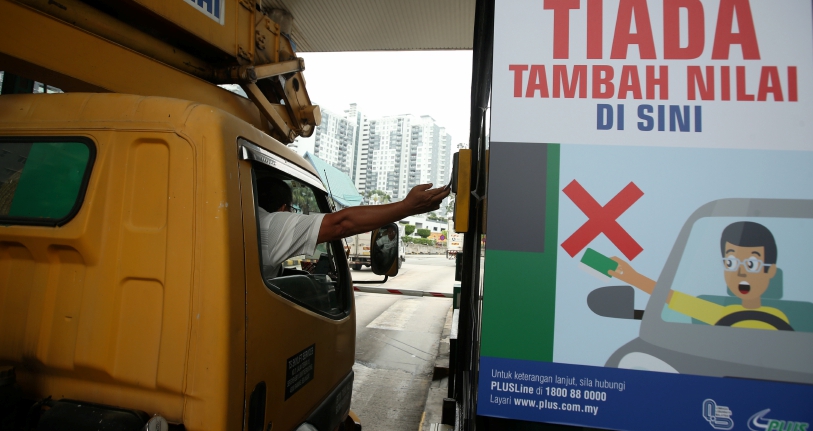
x=218 y=41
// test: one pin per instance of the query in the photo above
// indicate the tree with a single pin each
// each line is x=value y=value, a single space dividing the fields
x=303 y=198
x=408 y=229
x=434 y=217
x=424 y=233
x=450 y=204
x=376 y=197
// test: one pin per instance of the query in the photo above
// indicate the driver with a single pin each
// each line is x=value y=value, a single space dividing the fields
x=284 y=233
x=387 y=244
x=749 y=263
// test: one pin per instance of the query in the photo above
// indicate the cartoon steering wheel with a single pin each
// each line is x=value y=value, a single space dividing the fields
x=759 y=316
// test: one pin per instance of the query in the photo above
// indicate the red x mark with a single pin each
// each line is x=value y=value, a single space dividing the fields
x=602 y=219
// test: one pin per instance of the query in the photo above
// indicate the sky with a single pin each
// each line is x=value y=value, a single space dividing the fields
x=382 y=83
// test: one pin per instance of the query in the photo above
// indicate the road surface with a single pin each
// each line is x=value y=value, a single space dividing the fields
x=397 y=342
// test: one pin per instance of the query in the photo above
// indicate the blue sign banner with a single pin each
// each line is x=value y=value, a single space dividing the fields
x=638 y=400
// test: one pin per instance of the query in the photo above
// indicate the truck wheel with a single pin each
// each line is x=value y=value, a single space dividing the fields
x=357 y=267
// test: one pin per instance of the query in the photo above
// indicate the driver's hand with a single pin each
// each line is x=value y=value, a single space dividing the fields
x=423 y=199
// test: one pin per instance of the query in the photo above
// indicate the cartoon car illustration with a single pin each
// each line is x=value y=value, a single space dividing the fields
x=703 y=266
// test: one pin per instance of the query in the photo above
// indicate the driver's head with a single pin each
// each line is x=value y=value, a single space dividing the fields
x=273 y=195
x=749 y=258
x=391 y=232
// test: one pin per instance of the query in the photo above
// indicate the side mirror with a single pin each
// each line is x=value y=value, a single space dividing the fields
x=384 y=245
x=614 y=301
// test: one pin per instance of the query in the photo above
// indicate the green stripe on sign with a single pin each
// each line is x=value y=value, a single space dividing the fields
x=519 y=291
x=519 y=299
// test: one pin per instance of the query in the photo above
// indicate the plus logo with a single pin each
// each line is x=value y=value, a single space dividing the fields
x=602 y=219
x=758 y=422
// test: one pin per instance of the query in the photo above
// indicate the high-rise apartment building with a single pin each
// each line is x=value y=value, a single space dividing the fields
x=430 y=149
x=404 y=151
x=360 y=146
x=335 y=141
x=388 y=155
x=391 y=154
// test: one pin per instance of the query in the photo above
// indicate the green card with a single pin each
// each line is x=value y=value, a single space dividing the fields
x=598 y=262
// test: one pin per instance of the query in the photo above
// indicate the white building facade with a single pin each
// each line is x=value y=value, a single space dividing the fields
x=391 y=154
x=360 y=146
x=407 y=150
x=335 y=141
x=421 y=221
x=430 y=153
x=388 y=157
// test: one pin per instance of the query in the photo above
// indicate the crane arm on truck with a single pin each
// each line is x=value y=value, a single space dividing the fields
x=217 y=41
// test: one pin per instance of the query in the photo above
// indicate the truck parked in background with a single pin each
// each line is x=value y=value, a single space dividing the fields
x=358 y=254
x=358 y=249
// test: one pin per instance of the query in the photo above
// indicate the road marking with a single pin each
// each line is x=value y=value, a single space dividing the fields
x=397 y=316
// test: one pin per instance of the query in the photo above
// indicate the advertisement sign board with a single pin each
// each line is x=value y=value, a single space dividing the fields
x=455 y=240
x=650 y=215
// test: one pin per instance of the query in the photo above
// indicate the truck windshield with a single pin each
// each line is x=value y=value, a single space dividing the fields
x=42 y=182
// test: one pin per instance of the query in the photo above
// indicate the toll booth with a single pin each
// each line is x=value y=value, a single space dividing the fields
x=634 y=279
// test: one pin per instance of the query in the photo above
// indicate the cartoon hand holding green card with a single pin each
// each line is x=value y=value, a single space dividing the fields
x=604 y=267
x=597 y=264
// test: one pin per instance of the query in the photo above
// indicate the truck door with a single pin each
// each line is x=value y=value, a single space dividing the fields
x=300 y=325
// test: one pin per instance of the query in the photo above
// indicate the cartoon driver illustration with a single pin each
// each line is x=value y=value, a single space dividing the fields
x=749 y=255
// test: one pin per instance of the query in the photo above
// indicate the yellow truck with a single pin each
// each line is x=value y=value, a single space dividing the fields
x=131 y=289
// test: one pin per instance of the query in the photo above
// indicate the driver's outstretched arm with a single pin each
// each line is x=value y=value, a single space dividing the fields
x=626 y=273
x=354 y=220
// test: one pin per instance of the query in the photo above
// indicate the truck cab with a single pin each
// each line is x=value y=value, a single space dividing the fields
x=141 y=286
x=131 y=286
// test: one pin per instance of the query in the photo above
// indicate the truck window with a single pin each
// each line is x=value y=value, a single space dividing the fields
x=317 y=280
x=42 y=182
